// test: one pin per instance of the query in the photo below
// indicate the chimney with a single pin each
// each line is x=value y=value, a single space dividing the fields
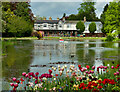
x=63 y=18
x=44 y=18
x=50 y=18
x=84 y=19
x=57 y=18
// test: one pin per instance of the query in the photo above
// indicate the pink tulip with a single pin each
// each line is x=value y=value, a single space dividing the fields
x=86 y=71
x=117 y=73
x=92 y=71
x=14 y=79
x=16 y=85
x=93 y=67
x=119 y=70
x=105 y=67
x=12 y=84
x=112 y=67
x=24 y=73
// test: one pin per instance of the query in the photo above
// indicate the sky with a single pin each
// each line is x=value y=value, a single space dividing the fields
x=57 y=9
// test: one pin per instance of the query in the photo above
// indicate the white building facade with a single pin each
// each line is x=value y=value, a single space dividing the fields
x=62 y=27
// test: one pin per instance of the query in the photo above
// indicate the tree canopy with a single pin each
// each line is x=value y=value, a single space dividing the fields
x=13 y=12
x=87 y=10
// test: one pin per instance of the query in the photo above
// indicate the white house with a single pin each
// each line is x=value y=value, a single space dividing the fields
x=62 y=27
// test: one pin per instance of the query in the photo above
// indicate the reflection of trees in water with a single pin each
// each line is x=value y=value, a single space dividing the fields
x=83 y=58
x=17 y=60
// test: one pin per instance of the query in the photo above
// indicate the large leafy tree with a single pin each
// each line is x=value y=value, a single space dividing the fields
x=87 y=10
x=102 y=17
x=16 y=9
x=112 y=17
x=16 y=28
x=80 y=26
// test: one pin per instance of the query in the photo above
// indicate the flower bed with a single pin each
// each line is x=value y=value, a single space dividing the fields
x=71 y=78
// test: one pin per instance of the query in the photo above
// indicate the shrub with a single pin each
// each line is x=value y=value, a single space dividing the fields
x=37 y=34
x=92 y=27
x=80 y=25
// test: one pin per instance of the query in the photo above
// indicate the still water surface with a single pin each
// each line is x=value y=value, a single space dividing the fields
x=40 y=55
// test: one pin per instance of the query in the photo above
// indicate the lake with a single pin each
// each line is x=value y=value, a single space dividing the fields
x=40 y=55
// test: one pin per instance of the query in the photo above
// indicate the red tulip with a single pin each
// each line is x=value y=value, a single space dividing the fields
x=119 y=70
x=16 y=85
x=22 y=79
x=14 y=79
x=36 y=81
x=24 y=73
x=29 y=77
x=112 y=67
x=115 y=74
x=12 y=84
x=118 y=65
x=99 y=87
x=103 y=69
x=18 y=81
x=36 y=77
x=99 y=81
x=37 y=73
x=79 y=66
x=14 y=88
x=56 y=75
x=87 y=66
x=50 y=71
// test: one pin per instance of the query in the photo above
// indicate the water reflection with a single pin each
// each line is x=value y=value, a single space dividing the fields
x=39 y=55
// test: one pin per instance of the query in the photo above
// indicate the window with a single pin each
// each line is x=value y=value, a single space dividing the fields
x=45 y=25
x=38 y=25
x=60 y=25
x=68 y=25
x=52 y=25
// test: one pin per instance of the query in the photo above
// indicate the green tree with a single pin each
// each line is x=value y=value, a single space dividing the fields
x=102 y=17
x=92 y=27
x=15 y=26
x=112 y=17
x=87 y=9
x=80 y=26
x=13 y=9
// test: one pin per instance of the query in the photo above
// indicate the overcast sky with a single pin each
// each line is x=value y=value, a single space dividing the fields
x=56 y=9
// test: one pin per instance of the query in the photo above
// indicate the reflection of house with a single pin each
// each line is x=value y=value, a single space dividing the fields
x=61 y=27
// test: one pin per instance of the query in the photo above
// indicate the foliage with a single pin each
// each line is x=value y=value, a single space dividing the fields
x=80 y=26
x=16 y=28
x=87 y=10
x=112 y=17
x=12 y=10
x=92 y=27
x=102 y=17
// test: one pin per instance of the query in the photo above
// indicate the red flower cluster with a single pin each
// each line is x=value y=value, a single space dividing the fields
x=45 y=75
x=110 y=81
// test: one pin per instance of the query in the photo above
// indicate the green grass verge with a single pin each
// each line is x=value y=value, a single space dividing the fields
x=102 y=38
